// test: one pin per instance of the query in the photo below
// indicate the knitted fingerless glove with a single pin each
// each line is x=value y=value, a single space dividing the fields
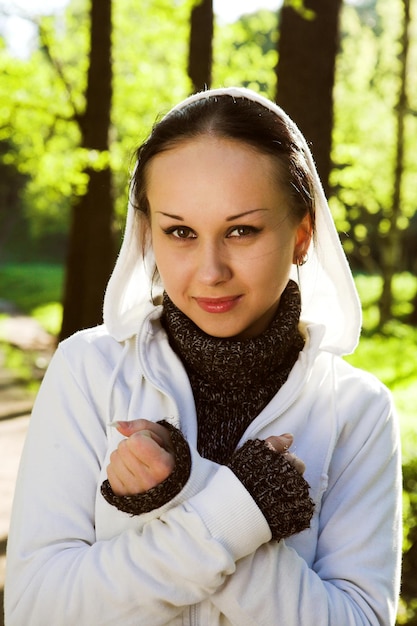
x=278 y=489
x=162 y=493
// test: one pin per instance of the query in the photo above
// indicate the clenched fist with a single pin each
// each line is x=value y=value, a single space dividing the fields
x=142 y=460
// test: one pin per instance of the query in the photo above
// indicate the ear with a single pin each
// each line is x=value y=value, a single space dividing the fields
x=303 y=236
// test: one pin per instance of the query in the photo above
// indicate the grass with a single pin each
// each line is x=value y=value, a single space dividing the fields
x=36 y=290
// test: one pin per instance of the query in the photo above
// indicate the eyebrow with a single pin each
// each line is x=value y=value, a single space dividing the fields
x=239 y=215
x=231 y=218
x=174 y=217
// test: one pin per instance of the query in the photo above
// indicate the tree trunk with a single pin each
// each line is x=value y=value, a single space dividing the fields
x=91 y=246
x=391 y=249
x=307 y=49
x=201 y=45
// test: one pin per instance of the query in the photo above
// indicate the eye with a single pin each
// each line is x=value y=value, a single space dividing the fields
x=243 y=231
x=180 y=232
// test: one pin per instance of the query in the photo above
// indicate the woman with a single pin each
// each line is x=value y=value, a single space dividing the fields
x=225 y=320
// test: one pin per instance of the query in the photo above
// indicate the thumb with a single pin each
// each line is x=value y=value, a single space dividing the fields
x=280 y=443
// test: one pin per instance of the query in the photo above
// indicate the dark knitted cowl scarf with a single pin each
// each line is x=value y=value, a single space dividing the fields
x=233 y=380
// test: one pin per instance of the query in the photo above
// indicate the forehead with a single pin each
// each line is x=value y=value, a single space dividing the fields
x=212 y=177
x=206 y=156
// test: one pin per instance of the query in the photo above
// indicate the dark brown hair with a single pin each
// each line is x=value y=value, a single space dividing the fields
x=239 y=119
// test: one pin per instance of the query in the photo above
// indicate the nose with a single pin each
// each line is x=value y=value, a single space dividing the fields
x=213 y=265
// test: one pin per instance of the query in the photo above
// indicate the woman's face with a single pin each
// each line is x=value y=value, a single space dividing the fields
x=222 y=234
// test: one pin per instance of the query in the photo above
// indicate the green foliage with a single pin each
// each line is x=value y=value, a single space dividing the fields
x=42 y=99
x=35 y=118
x=366 y=93
x=407 y=613
x=19 y=362
x=32 y=285
x=35 y=290
x=390 y=353
x=49 y=317
x=150 y=61
x=370 y=289
x=245 y=52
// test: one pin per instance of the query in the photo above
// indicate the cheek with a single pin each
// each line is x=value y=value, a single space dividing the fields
x=159 y=261
x=273 y=273
x=273 y=258
x=172 y=270
x=159 y=249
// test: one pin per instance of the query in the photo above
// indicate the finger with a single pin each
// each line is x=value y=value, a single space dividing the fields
x=116 y=483
x=121 y=479
x=297 y=463
x=281 y=443
x=159 y=433
x=128 y=475
x=145 y=446
x=124 y=483
x=145 y=458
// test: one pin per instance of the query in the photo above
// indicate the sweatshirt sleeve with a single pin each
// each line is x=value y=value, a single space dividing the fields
x=57 y=572
x=354 y=577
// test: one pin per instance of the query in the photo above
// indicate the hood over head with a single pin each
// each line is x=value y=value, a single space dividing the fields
x=328 y=292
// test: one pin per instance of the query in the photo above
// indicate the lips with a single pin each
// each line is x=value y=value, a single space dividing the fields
x=218 y=305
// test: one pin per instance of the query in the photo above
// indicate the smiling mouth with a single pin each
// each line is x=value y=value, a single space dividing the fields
x=218 y=305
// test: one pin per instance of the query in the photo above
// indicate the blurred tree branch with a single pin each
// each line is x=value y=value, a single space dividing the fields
x=57 y=66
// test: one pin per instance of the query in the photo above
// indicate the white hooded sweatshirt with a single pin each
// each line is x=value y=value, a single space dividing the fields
x=206 y=557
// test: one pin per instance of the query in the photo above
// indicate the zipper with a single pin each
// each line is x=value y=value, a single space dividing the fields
x=194 y=612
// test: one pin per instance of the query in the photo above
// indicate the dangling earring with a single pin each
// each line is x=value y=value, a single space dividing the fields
x=300 y=261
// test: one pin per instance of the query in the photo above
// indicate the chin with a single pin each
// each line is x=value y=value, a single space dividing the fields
x=220 y=332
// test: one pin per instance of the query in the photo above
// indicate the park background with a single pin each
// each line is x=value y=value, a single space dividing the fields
x=80 y=86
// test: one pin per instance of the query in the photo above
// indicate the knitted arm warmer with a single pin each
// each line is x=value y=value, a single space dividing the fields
x=278 y=489
x=162 y=493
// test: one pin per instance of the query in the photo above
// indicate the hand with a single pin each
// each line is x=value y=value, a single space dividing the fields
x=281 y=444
x=142 y=460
